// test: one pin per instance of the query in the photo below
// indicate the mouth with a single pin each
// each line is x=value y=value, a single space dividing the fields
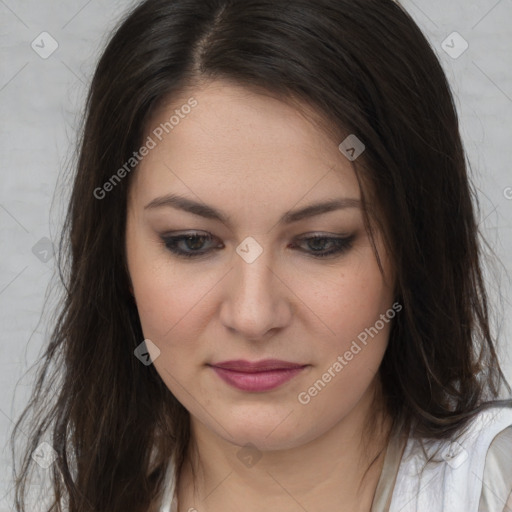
x=257 y=376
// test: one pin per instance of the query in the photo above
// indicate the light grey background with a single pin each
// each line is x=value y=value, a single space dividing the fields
x=41 y=101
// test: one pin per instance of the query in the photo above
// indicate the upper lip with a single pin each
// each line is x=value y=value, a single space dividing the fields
x=241 y=365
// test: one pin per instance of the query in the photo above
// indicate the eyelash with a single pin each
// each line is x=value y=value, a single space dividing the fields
x=344 y=244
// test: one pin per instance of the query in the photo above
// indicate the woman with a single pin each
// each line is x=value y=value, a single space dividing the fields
x=275 y=297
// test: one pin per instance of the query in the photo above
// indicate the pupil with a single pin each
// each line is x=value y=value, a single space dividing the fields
x=319 y=242
x=197 y=245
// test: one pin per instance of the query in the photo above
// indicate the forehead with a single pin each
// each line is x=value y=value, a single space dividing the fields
x=236 y=143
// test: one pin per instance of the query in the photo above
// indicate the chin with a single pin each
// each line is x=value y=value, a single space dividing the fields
x=267 y=430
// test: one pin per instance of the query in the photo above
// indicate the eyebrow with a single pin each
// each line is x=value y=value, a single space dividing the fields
x=208 y=212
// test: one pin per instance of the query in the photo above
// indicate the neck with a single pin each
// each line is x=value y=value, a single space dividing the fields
x=338 y=470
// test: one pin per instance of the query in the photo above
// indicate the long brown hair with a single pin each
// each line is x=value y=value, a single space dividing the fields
x=367 y=69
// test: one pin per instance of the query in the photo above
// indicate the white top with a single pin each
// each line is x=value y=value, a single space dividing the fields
x=473 y=475
x=456 y=484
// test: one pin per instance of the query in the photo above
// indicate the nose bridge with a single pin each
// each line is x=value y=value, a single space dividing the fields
x=254 y=280
x=253 y=299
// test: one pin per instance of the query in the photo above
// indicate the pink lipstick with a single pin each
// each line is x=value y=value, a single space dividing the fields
x=257 y=376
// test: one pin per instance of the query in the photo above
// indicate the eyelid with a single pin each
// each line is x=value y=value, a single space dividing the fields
x=343 y=244
x=207 y=234
x=323 y=234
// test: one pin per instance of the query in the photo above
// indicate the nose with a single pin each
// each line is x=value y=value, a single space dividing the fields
x=256 y=301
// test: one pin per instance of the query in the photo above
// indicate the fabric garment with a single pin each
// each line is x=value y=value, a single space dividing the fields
x=473 y=474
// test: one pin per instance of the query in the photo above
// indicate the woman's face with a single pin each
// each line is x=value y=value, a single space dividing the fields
x=257 y=289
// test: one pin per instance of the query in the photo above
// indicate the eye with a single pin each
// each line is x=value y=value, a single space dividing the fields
x=317 y=244
x=191 y=245
x=192 y=241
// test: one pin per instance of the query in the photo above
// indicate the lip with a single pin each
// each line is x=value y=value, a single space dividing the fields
x=240 y=365
x=257 y=376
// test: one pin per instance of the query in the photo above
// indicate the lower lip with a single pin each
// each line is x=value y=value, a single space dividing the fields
x=258 y=381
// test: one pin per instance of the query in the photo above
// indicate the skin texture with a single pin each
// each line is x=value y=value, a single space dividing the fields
x=254 y=158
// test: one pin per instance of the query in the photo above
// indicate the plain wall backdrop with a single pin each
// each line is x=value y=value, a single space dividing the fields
x=48 y=51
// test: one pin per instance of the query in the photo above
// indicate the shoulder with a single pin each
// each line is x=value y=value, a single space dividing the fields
x=459 y=474
x=497 y=476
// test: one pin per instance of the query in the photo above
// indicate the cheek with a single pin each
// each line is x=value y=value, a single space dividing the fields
x=351 y=348
x=160 y=296
x=349 y=302
x=355 y=339
x=169 y=309
x=172 y=303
